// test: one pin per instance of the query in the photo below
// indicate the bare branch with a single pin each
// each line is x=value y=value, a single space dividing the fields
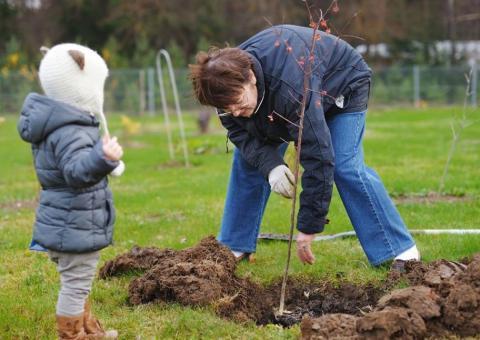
x=284 y=118
x=330 y=6
x=294 y=98
x=306 y=86
x=268 y=21
x=323 y=93
x=462 y=124
x=349 y=20
x=352 y=36
x=454 y=134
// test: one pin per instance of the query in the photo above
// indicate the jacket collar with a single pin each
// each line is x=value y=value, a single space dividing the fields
x=258 y=71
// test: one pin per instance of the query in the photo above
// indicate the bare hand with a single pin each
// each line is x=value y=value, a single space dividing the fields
x=304 y=250
x=111 y=149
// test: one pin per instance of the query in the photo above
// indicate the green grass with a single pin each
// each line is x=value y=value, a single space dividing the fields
x=164 y=206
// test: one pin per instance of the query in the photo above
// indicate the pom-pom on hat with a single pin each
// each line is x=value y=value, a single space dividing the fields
x=74 y=74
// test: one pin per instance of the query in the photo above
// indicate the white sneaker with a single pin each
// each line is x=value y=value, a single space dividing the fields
x=237 y=254
x=411 y=254
x=240 y=256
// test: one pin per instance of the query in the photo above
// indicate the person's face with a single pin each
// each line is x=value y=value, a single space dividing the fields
x=247 y=101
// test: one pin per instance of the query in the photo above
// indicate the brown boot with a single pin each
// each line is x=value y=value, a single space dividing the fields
x=70 y=327
x=93 y=328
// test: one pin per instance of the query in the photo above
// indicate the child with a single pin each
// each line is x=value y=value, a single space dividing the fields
x=75 y=216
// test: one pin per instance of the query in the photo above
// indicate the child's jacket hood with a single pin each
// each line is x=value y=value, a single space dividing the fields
x=42 y=115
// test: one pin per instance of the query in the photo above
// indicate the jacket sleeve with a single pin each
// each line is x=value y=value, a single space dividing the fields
x=317 y=160
x=81 y=160
x=258 y=154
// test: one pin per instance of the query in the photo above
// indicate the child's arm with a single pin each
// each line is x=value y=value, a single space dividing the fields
x=82 y=162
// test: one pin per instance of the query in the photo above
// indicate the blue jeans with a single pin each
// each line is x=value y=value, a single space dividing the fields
x=377 y=223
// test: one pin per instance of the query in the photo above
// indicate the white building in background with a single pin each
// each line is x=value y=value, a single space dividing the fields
x=375 y=50
x=470 y=50
x=32 y=4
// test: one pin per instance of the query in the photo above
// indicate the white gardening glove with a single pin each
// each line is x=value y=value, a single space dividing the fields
x=281 y=181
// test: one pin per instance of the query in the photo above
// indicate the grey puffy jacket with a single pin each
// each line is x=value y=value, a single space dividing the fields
x=75 y=212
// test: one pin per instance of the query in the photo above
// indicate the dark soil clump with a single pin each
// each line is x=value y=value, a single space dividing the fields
x=316 y=298
x=138 y=259
x=443 y=298
x=443 y=301
x=198 y=276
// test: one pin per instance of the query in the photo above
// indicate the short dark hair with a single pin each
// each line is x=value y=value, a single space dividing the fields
x=219 y=74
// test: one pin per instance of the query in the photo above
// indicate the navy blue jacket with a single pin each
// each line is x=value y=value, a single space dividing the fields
x=278 y=55
x=75 y=212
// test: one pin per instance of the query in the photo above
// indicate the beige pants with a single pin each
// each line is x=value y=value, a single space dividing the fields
x=77 y=272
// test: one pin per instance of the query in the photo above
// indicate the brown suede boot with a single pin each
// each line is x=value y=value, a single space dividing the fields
x=93 y=328
x=70 y=327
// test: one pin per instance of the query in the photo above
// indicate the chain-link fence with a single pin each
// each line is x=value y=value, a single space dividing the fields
x=136 y=92
x=424 y=85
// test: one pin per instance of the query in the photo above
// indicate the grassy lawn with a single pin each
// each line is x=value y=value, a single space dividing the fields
x=163 y=205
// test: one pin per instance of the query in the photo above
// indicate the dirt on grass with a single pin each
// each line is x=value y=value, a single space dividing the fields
x=16 y=205
x=442 y=299
x=430 y=198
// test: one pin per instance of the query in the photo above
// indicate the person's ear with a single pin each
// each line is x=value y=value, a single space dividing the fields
x=253 y=79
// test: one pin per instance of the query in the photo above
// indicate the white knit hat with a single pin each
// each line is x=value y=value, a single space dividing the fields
x=74 y=74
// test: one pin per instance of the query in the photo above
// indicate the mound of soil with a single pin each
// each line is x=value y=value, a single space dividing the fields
x=137 y=259
x=443 y=298
x=198 y=276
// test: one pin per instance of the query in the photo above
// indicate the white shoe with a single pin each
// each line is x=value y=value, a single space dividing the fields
x=240 y=256
x=411 y=254
x=237 y=254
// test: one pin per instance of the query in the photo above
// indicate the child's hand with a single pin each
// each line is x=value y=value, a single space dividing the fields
x=112 y=150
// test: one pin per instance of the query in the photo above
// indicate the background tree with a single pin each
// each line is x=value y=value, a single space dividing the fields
x=410 y=29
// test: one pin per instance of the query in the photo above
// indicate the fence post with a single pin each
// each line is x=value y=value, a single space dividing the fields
x=141 y=85
x=474 y=87
x=151 y=90
x=416 y=86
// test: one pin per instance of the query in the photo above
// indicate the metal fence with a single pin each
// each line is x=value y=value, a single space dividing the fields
x=424 y=85
x=134 y=91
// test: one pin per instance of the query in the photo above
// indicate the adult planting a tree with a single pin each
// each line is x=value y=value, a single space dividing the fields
x=257 y=89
